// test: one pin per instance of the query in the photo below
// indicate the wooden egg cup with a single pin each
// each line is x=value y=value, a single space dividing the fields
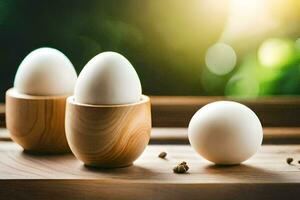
x=108 y=136
x=37 y=122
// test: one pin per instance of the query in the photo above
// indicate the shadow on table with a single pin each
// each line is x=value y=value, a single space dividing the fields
x=244 y=172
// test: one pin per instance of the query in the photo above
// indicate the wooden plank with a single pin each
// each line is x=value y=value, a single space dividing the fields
x=4 y=135
x=177 y=111
x=265 y=175
x=95 y=189
x=273 y=135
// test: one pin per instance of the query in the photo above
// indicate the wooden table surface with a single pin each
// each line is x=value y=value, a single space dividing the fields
x=265 y=175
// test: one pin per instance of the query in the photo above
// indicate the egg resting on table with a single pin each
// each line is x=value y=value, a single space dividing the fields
x=225 y=132
x=45 y=72
x=107 y=79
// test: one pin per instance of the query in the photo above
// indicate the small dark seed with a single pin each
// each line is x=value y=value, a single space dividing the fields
x=162 y=154
x=185 y=165
x=298 y=161
x=289 y=160
x=179 y=169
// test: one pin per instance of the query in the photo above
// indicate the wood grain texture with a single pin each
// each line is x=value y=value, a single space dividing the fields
x=272 y=135
x=4 y=135
x=95 y=190
x=108 y=136
x=177 y=111
x=37 y=123
x=264 y=176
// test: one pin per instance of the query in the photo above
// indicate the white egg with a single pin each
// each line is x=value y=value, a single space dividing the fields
x=108 y=78
x=225 y=132
x=45 y=71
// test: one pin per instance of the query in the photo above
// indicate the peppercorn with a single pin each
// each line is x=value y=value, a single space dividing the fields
x=289 y=160
x=162 y=155
x=181 y=168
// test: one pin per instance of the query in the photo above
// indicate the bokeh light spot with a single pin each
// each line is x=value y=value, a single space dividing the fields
x=276 y=53
x=220 y=59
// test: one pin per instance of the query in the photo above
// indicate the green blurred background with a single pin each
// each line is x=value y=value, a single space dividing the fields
x=239 y=48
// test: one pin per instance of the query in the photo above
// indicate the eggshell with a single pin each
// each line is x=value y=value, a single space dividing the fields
x=45 y=71
x=108 y=78
x=225 y=132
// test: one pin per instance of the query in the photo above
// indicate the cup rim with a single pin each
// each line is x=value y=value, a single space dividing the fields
x=12 y=92
x=71 y=100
